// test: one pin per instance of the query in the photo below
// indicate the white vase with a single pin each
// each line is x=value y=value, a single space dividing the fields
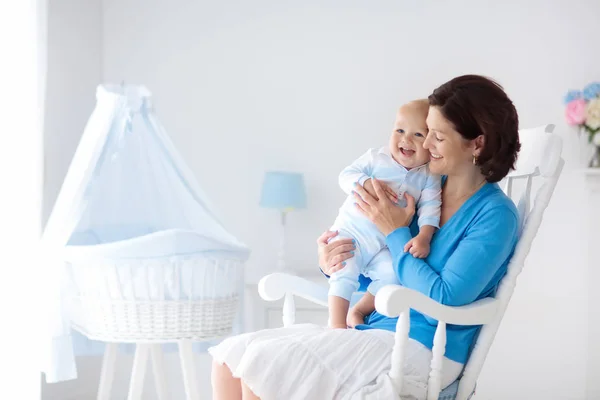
x=595 y=157
x=588 y=150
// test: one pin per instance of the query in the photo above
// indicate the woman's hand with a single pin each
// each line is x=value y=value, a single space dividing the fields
x=368 y=185
x=332 y=255
x=386 y=215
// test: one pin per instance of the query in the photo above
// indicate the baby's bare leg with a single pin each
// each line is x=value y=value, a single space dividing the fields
x=338 y=310
x=364 y=307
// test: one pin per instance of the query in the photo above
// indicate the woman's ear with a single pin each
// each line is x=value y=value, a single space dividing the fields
x=478 y=142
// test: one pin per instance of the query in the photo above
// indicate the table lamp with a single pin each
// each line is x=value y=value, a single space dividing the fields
x=283 y=191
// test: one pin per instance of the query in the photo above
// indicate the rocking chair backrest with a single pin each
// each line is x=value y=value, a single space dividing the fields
x=535 y=176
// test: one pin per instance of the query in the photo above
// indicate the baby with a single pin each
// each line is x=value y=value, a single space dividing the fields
x=403 y=167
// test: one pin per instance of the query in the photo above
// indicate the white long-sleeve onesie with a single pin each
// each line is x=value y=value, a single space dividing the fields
x=372 y=258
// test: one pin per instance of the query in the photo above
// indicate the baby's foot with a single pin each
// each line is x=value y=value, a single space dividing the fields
x=355 y=318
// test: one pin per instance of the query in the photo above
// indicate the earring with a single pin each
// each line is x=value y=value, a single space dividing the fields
x=474 y=159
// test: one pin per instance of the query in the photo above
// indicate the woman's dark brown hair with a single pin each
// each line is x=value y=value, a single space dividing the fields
x=477 y=105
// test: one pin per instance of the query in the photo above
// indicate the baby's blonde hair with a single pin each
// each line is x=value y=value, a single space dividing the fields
x=419 y=105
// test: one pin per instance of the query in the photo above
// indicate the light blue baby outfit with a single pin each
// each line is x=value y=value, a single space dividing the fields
x=372 y=258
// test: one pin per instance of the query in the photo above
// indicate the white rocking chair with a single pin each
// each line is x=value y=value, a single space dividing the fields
x=539 y=161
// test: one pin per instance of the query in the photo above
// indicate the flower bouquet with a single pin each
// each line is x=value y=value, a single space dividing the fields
x=583 y=110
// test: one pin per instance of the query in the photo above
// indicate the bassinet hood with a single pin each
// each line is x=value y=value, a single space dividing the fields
x=127 y=182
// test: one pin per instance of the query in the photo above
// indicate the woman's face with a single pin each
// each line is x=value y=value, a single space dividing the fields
x=450 y=152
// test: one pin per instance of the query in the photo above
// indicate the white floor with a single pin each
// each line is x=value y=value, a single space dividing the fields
x=88 y=368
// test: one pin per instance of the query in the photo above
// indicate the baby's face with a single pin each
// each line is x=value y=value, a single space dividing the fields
x=406 y=141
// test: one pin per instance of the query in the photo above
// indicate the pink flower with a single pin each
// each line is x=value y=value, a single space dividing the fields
x=575 y=112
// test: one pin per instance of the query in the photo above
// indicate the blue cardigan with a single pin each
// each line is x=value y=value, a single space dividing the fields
x=469 y=255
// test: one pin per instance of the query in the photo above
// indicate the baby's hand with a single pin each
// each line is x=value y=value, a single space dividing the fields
x=418 y=246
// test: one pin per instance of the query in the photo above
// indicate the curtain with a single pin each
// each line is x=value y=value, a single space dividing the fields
x=22 y=91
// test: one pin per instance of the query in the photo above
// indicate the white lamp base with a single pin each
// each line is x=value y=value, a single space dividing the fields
x=281 y=254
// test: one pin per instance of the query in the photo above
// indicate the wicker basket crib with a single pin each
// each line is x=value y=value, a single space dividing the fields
x=147 y=259
x=164 y=286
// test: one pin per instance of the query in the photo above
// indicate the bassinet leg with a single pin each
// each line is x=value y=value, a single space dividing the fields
x=158 y=369
x=186 y=355
x=108 y=371
x=140 y=362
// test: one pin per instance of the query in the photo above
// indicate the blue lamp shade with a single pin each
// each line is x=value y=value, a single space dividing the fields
x=283 y=190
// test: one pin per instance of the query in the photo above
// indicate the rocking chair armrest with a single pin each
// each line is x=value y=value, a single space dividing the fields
x=392 y=300
x=275 y=286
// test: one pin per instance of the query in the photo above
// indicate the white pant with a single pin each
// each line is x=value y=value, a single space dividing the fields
x=371 y=259
x=313 y=362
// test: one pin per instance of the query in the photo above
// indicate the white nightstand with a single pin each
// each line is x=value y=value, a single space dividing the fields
x=262 y=314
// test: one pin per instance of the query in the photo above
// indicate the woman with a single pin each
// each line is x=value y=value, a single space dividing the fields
x=473 y=141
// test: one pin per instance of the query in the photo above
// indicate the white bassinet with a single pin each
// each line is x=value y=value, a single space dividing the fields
x=142 y=257
x=164 y=286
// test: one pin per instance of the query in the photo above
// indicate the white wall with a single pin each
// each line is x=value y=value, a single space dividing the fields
x=247 y=86
x=74 y=70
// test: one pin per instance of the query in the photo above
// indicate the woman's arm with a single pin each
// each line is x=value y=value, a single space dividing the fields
x=477 y=259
